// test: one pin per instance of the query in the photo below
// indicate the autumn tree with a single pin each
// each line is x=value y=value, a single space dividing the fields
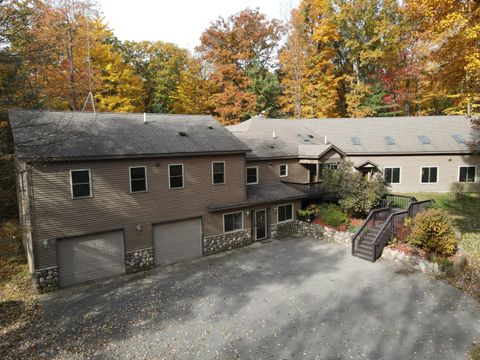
x=241 y=52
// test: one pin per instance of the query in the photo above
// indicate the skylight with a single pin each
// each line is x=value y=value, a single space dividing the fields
x=389 y=140
x=424 y=139
x=459 y=139
x=356 y=140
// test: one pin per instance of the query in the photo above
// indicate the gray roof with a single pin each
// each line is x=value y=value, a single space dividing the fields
x=294 y=137
x=260 y=194
x=59 y=135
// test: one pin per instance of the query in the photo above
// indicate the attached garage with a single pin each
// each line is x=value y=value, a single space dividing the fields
x=90 y=257
x=177 y=241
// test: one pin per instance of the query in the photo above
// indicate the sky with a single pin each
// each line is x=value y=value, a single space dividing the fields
x=179 y=21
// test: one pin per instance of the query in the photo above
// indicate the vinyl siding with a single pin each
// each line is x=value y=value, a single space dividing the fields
x=113 y=207
x=269 y=171
x=448 y=167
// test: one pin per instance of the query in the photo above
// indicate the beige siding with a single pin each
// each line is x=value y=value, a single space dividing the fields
x=114 y=207
x=448 y=168
x=269 y=171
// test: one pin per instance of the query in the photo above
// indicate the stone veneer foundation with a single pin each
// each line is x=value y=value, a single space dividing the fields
x=223 y=242
x=46 y=280
x=139 y=260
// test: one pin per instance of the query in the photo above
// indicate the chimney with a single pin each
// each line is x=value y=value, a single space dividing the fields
x=145 y=118
x=326 y=140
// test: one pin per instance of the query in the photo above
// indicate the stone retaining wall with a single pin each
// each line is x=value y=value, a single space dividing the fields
x=223 y=242
x=139 y=260
x=46 y=280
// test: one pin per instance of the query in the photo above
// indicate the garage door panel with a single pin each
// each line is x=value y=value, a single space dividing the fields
x=177 y=241
x=90 y=257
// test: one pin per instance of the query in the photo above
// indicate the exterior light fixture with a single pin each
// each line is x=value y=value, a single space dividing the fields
x=139 y=229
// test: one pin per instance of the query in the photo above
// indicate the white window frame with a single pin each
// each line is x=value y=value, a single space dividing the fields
x=475 y=174
x=183 y=177
x=429 y=166
x=287 y=220
x=236 y=230
x=246 y=175
x=130 y=178
x=280 y=170
x=224 y=173
x=89 y=180
x=329 y=165
x=400 y=177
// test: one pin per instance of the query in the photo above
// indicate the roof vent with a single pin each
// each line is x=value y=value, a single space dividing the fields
x=459 y=139
x=272 y=147
x=389 y=140
x=145 y=118
x=355 y=140
x=274 y=135
x=310 y=136
x=424 y=139
x=182 y=133
x=210 y=127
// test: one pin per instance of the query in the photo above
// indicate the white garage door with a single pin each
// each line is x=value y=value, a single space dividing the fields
x=90 y=257
x=177 y=241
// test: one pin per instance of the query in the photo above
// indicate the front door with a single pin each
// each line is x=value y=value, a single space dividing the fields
x=260 y=224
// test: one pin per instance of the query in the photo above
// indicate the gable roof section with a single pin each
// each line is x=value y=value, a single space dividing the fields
x=77 y=135
x=371 y=132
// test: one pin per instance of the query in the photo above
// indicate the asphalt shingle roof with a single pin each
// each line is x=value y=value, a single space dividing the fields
x=48 y=134
x=295 y=136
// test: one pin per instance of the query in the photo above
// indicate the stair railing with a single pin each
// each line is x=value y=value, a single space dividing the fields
x=374 y=217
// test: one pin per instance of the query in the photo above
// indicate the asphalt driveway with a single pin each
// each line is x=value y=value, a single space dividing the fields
x=296 y=298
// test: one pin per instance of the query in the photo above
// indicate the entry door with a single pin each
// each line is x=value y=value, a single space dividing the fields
x=260 y=224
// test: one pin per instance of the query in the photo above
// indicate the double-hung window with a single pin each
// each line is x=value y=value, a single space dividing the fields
x=81 y=183
x=218 y=172
x=252 y=175
x=467 y=174
x=283 y=170
x=232 y=222
x=175 y=176
x=284 y=212
x=392 y=175
x=429 y=174
x=138 y=179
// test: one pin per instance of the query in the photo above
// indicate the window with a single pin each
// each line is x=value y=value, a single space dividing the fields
x=175 y=174
x=81 y=183
x=283 y=170
x=218 y=172
x=392 y=175
x=467 y=174
x=232 y=222
x=331 y=166
x=284 y=212
x=429 y=174
x=252 y=175
x=138 y=179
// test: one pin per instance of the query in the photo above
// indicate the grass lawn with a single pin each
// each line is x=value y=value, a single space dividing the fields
x=18 y=300
x=466 y=213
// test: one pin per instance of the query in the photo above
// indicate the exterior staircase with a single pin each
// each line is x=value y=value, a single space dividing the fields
x=381 y=225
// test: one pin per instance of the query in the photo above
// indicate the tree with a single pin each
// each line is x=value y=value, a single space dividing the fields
x=234 y=47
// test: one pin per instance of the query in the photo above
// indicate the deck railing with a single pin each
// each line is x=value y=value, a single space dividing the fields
x=309 y=188
x=400 y=201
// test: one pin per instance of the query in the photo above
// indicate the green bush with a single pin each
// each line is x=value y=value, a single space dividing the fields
x=314 y=208
x=432 y=230
x=304 y=212
x=333 y=215
x=357 y=195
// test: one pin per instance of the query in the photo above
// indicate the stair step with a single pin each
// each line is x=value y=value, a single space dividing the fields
x=365 y=246
x=365 y=252
x=364 y=257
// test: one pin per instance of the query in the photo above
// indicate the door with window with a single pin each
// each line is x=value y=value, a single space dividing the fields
x=260 y=224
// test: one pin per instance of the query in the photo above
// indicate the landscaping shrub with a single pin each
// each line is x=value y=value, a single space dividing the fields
x=357 y=194
x=432 y=230
x=333 y=215
x=314 y=208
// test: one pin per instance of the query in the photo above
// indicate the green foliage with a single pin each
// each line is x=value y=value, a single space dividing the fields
x=358 y=195
x=432 y=230
x=333 y=215
x=314 y=208
x=304 y=212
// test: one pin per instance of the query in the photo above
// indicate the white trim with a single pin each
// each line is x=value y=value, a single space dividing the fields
x=130 y=178
x=280 y=171
x=246 y=175
x=475 y=174
x=183 y=177
x=429 y=166
x=90 y=183
x=236 y=230
x=266 y=223
x=287 y=220
x=224 y=173
x=393 y=167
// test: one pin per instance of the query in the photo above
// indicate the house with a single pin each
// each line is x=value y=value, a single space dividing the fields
x=103 y=194
x=414 y=154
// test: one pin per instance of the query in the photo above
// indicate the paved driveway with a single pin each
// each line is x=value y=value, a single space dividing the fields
x=296 y=298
